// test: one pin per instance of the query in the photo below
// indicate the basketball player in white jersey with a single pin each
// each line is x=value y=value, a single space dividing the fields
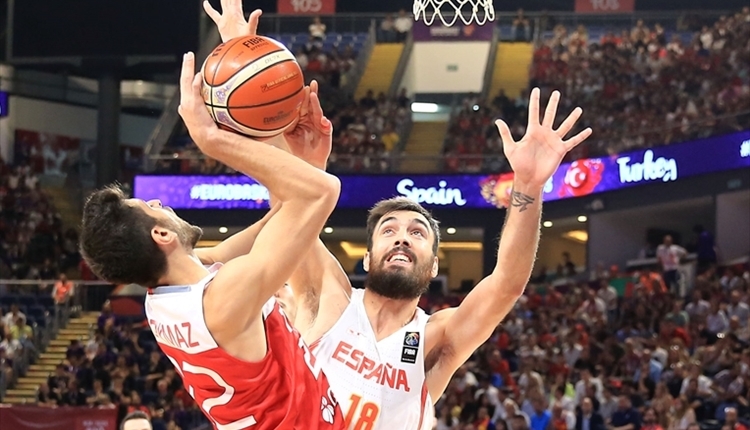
x=221 y=326
x=386 y=359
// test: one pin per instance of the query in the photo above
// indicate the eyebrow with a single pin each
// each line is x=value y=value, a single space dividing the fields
x=417 y=220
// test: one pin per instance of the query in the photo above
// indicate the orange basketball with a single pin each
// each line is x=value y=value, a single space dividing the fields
x=253 y=85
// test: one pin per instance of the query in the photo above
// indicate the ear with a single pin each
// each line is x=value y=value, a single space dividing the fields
x=435 y=266
x=366 y=261
x=163 y=236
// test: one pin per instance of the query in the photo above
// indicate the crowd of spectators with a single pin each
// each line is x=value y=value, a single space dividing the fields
x=33 y=246
x=120 y=367
x=33 y=242
x=326 y=66
x=395 y=30
x=365 y=133
x=611 y=350
x=637 y=88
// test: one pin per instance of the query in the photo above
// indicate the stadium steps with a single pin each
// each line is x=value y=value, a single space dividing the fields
x=25 y=390
x=424 y=145
x=380 y=69
x=511 y=69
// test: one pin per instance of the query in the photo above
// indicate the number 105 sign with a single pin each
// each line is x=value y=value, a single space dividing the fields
x=306 y=7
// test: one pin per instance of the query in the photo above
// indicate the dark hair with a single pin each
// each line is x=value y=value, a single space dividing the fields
x=395 y=204
x=135 y=415
x=116 y=240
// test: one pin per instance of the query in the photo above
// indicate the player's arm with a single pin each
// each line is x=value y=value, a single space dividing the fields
x=311 y=141
x=307 y=195
x=236 y=245
x=534 y=159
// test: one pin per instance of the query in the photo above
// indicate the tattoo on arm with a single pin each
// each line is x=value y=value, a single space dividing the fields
x=520 y=200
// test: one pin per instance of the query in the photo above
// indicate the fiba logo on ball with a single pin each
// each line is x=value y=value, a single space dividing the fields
x=252 y=43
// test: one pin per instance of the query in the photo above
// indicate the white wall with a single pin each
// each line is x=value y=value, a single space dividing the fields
x=428 y=68
x=733 y=225
x=66 y=120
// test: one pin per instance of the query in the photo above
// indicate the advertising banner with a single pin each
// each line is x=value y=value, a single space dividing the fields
x=459 y=32
x=605 y=6
x=4 y=108
x=36 y=418
x=580 y=178
x=306 y=7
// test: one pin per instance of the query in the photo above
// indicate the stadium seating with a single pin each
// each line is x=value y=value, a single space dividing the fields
x=639 y=87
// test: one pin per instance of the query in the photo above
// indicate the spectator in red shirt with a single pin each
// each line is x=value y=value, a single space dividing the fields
x=731 y=421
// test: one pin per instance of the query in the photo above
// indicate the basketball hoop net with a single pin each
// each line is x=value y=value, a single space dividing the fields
x=481 y=11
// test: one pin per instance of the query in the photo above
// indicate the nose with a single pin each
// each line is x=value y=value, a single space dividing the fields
x=402 y=238
x=154 y=203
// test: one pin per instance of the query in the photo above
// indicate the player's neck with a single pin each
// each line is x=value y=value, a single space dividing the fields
x=183 y=269
x=388 y=315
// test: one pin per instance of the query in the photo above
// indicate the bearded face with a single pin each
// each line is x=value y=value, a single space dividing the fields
x=190 y=235
x=399 y=274
x=401 y=260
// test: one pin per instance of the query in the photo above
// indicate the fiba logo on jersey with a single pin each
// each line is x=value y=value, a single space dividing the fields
x=411 y=338
x=411 y=347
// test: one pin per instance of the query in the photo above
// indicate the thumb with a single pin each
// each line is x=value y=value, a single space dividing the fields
x=504 y=131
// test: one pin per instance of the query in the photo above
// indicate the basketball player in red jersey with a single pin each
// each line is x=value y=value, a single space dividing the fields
x=388 y=361
x=222 y=327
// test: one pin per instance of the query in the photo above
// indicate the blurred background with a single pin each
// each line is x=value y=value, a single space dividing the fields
x=637 y=310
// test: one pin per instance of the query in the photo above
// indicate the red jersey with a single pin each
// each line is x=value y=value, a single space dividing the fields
x=282 y=391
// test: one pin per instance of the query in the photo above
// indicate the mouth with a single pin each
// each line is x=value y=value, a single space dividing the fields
x=400 y=258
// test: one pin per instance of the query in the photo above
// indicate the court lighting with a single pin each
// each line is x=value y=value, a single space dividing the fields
x=223 y=230
x=328 y=230
x=582 y=218
x=547 y=224
x=419 y=107
x=450 y=230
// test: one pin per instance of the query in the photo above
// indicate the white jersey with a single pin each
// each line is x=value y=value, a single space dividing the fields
x=379 y=385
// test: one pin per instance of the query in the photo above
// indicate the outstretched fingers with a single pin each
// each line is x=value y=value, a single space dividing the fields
x=197 y=85
x=569 y=122
x=505 y=135
x=305 y=109
x=551 y=112
x=534 y=108
x=187 y=74
x=253 y=20
x=577 y=139
x=211 y=12
x=319 y=119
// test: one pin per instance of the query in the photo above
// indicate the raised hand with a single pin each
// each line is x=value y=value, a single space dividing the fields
x=312 y=137
x=231 y=21
x=539 y=153
x=192 y=108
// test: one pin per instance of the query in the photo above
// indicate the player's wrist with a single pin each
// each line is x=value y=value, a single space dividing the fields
x=213 y=141
x=528 y=188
